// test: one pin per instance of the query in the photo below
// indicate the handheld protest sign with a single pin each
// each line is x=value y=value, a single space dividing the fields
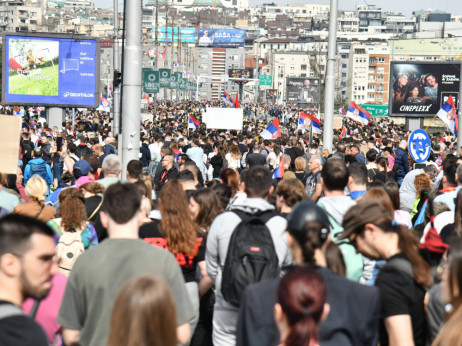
x=419 y=145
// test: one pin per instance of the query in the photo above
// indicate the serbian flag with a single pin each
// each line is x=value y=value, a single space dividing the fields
x=147 y=100
x=104 y=104
x=343 y=133
x=227 y=99
x=164 y=52
x=279 y=171
x=272 y=131
x=357 y=113
x=193 y=123
x=315 y=123
x=304 y=121
x=236 y=102
x=341 y=111
x=448 y=114
x=178 y=63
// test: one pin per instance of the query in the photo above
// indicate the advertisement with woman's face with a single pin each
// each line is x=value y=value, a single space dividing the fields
x=421 y=88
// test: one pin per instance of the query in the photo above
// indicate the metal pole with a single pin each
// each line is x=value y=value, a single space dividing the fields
x=256 y=74
x=115 y=57
x=328 y=130
x=459 y=132
x=131 y=85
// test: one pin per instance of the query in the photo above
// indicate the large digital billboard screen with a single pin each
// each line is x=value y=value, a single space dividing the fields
x=185 y=35
x=303 y=90
x=50 y=70
x=220 y=38
x=419 y=89
x=240 y=73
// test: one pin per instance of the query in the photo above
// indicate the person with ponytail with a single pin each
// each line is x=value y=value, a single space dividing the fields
x=301 y=306
x=73 y=217
x=403 y=280
x=36 y=189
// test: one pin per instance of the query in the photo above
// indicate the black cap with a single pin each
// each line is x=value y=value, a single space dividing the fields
x=302 y=213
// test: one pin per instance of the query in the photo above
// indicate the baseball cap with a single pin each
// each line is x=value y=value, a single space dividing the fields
x=83 y=166
x=302 y=213
x=360 y=214
x=82 y=181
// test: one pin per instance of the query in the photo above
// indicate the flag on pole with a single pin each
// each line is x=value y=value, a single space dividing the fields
x=227 y=99
x=357 y=113
x=193 y=123
x=164 y=52
x=315 y=123
x=343 y=133
x=279 y=171
x=304 y=121
x=147 y=100
x=236 y=102
x=104 y=104
x=448 y=114
x=178 y=63
x=272 y=131
x=110 y=91
x=341 y=111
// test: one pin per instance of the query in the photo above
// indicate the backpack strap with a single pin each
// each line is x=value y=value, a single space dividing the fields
x=96 y=210
x=402 y=265
x=37 y=216
x=265 y=216
x=9 y=310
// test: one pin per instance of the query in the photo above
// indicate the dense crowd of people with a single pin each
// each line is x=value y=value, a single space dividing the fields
x=227 y=238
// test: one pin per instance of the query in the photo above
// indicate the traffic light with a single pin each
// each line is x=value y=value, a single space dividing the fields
x=117 y=78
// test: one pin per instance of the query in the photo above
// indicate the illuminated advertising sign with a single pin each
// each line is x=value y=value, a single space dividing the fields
x=419 y=89
x=185 y=35
x=240 y=73
x=303 y=90
x=221 y=38
x=50 y=70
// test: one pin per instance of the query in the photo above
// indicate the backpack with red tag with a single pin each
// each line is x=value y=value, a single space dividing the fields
x=251 y=255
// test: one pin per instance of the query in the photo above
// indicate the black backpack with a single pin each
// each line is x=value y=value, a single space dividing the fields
x=251 y=255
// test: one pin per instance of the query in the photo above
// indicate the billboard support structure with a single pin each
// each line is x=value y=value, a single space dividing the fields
x=131 y=84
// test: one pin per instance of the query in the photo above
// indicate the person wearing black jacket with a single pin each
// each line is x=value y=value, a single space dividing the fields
x=355 y=308
x=169 y=172
x=294 y=151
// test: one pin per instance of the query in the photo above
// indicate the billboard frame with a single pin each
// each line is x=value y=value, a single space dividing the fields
x=417 y=115
x=303 y=102
x=75 y=37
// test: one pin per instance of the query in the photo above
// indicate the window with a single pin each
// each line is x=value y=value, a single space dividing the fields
x=344 y=65
x=380 y=79
x=303 y=67
x=380 y=87
x=371 y=87
x=292 y=67
x=380 y=70
x=372 y=61
x=303 y=75
x=381 y=60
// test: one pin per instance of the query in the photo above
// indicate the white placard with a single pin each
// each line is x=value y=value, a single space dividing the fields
x=225 y=118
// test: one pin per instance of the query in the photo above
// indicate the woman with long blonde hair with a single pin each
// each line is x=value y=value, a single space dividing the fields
x=234 y=158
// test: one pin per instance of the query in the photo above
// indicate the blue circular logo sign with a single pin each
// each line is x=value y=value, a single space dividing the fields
x=419 y=145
